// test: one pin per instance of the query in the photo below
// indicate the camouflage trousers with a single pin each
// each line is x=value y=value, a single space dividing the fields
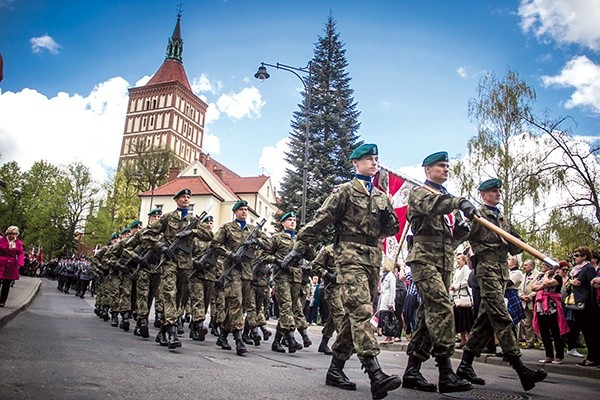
x=333 y=299
x=125 y=287
x=434 y=335
x=112 y=292
x=493 y=317
x=358 y=285
x=291 y=305
x=147 y=289
x=217 y=306
x=233 y=307
x=200 y=291
x=101 y=295
x=173 y=283
x=249 y=303
x=261 y=296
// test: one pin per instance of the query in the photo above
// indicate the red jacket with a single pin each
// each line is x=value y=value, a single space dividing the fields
x=10 y=259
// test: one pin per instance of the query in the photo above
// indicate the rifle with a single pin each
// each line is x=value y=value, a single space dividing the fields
x=208 y=261
x=244 y=252
x=181 y=242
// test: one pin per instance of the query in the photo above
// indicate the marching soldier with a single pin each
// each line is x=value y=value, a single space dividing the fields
x=237 y=291
x=437 y=229
x=101 y=272
x=288 y=286
x=360 y=214
x=323 y=266
x=492 y=274
x=147 y=281
x=261 y=272
x=176 y=265
x=113 y=255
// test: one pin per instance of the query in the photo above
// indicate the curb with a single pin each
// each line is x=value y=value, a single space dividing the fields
x=4 y=319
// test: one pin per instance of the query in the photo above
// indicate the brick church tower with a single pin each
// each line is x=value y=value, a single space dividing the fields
x=165 y=112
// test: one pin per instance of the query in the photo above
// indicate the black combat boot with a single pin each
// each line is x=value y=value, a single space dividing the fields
x=214 y=328
x=449 y=382
x=158 y=319
x=222 y=339
x=193 y=331
x=276 y=346
x=291 y=342
x=527 y=376
x=180 y=330
x=136 y=330
x=336 y=376
x=413 y=379
x=105 y=315
x=266 y=333
x=323 y=347
x=97 y=311
x=245 y=338
x=305 y=340
x=465 y=369
x=125 y=320
x=144 y=327
x=161 y=336
x=381 y=383
x=173 y=340
x=240 y=347
x=202 y=331
x=114 y=319
x=255 y=336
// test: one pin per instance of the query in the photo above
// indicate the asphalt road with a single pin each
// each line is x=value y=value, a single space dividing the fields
x=58 y=349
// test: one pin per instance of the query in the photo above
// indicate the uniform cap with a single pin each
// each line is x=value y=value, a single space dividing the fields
x=135 y=224
x=182 y=192
x=287 y=215
x=155 y=211
x=238 y=204
x=440 y=156
x=208 y=218
x=363 y=150
x=493 y=183
x=124 y=231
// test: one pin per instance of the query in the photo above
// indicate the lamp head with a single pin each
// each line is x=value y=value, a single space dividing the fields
x=262 y=73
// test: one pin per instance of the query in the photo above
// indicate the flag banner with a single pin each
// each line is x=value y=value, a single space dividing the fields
x=398 y=188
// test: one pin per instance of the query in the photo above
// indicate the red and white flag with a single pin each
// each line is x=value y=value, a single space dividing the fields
x=398 y=188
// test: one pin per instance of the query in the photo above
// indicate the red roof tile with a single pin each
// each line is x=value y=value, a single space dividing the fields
x=196 y=184
x=251 y=184
x=170 y=71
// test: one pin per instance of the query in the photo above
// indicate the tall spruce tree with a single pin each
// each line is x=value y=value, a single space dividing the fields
x=332 y=130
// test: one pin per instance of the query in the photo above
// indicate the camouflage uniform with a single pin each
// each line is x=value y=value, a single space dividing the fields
x=492 y=274
x=322 y=265
x=112 y=285
x=359 y=219
x=100 y=282
x=201 y=284
x=260 y=283
x=433 y=222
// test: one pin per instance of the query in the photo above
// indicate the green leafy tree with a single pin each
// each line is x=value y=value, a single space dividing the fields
x=333 y=129
x=11 y=212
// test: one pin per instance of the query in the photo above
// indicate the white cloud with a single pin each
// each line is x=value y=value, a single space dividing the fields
x=564 y=21
x=246 y=103
x=45 y=42
x=66 y=127
x=461 y=71
x=272 y=161
x=583 y=75
x=142 y=81
x=203 y=84
x=211 y=144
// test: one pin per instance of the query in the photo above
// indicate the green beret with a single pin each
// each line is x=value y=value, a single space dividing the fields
x=124 y=231
x=493 y=183
x=238 y=204
x=208 y=218
x=440 y=156
x=114 y=236
x=363 y=150
x=182 y=192
x=135 y=224
x=155 y=211
x=289 y=214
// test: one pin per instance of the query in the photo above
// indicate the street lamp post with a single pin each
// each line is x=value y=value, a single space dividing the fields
x=262 y=74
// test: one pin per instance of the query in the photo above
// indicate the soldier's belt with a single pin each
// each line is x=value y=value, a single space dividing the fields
x=432 y=239
x=491 y=257
x=367 y=240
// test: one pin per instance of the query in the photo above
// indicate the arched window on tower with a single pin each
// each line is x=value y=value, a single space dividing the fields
x=147 y=105
x=154 y=103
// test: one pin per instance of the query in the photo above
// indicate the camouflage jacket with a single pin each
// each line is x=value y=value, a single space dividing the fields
x=98 y=265
x=323 y=262
x=199 y=247
x=359 y=220
x=113 y=255
x=227 y=241
x=489 y=247
x=169 y=225
x=432 y=218
x=280 y=245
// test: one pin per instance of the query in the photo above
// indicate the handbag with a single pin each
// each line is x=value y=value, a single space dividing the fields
x=463 y=301
x=390 y=324
x=571 y=304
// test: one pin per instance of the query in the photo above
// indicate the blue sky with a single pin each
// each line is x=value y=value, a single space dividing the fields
x=414 y=66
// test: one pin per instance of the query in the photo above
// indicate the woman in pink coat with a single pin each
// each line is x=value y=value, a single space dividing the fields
x=11 y=258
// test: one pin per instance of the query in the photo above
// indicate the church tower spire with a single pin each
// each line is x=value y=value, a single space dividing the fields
x=175 y=46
